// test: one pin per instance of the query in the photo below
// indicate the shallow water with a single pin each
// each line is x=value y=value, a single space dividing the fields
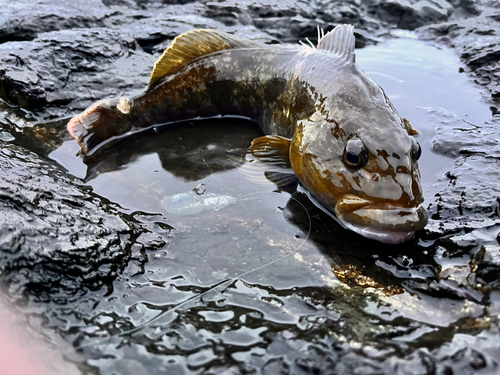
x=270 y=283
x=424 y=84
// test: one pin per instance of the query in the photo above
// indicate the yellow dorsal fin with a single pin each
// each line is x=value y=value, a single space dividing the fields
x=193 y=44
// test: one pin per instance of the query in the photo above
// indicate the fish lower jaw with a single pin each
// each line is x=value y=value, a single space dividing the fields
x=388 y=237
x=393 y=226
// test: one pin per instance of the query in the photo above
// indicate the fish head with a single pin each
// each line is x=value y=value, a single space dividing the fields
x=356 y=156
x=99 y=122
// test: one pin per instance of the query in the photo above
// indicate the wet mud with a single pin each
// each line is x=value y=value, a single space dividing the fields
x=92 y=261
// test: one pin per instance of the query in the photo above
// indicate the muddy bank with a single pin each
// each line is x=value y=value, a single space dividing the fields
x=88 y=269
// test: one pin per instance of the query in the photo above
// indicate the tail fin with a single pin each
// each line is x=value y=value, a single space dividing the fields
x=96 y=125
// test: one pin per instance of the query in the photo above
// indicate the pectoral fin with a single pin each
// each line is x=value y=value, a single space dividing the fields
x=272 y=149
x=267 y=160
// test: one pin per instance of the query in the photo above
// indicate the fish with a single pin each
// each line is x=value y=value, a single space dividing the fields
x=345 y=142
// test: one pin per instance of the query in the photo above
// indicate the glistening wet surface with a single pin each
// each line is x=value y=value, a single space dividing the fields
x=269 y=283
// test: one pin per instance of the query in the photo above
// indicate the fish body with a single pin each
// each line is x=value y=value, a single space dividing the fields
x=342 y=137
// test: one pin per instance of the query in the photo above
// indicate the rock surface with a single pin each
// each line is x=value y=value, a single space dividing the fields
x=83 y=267
x=111 y=52
x=476 y=40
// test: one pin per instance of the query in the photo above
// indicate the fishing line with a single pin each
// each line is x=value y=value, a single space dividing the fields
x=224 y=284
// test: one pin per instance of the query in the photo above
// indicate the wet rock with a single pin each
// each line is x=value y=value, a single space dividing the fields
x=155 y=32
x=477 y=42
x=463 y=355
x=466 y=213
x=24 y=19
x=285 y=21
x=465 y=202
x=459 y=137
x=89 y=267
x=229 y=13
x=56 y=239
x=125 y=367
x=71 y=69
x=487 y=267
x=290 y=21
x=410 y=14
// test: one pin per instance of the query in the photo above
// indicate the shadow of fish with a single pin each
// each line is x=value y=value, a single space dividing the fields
x=336 y=128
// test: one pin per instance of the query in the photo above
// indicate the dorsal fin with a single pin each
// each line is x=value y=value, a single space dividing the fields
x=193 y=44
x=340 y=41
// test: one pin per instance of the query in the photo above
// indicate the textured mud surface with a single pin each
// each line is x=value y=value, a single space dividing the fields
x=91 y=258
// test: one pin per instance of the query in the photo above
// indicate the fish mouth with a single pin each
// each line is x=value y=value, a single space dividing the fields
x=388 y=224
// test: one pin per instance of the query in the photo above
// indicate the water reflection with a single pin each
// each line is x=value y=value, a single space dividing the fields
x=190 y=150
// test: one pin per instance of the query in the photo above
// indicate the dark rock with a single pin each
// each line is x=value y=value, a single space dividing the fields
x=410 y=14
x=477 y=42
x=55 y=235
x=285 y=21
x=229 y=13
x=155 y=32
x=464 y=203
x=488 y=274
x=83 y=262
x=72 y=69
x=466 y=213
x=24 y=19
x=459 y=137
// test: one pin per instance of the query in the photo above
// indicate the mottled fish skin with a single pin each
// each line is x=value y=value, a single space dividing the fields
x=253 y=82
x=318 y=97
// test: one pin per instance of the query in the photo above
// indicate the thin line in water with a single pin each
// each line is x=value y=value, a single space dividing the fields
x=224 y=283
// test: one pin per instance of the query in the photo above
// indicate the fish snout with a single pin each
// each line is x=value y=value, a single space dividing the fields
x=388 y=224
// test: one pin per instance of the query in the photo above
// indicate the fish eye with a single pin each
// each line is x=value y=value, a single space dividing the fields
x=355 y=154
x=416 y=150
